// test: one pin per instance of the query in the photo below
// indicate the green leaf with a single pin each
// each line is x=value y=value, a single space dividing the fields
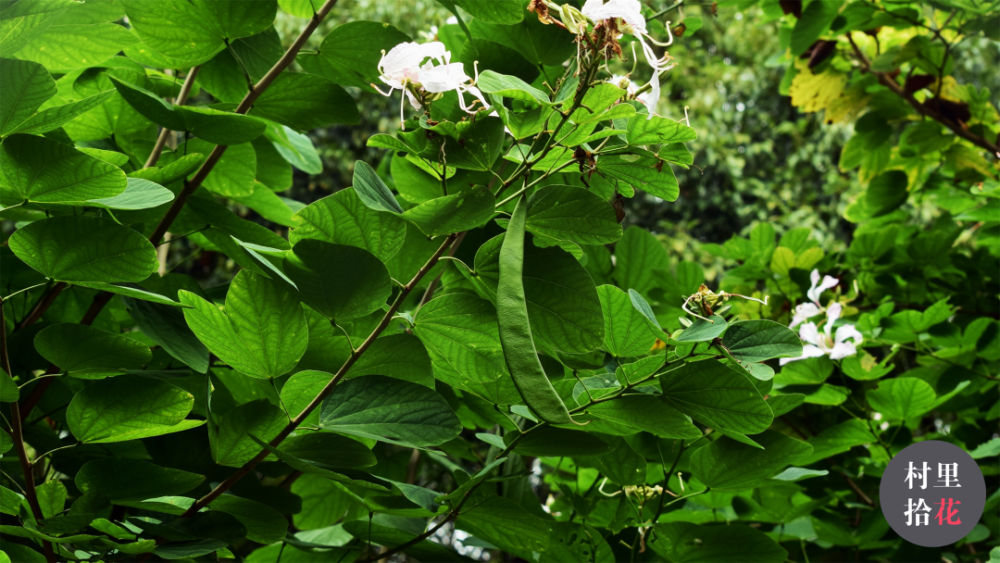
x=263 y=331
x=231 y=443
x=65 y=48
x=129 y=407
x=626 y=331
x=85 y=249
x=511 y=87
x=530 y=37
x=902 y=397
x=233 y=175
x=126 y=479
x=504 y=12
x=27 y=86
x=55 y=117
x=22 y=23
x=461 y=335
x=815 y=21
x=390 y=537
x=90 y=353
x=453 y=213
x=759 y=340
x=622 y=466
x=396 y=355
x=505 y=524
x=641 y=305
x=342 y=218
x=886 y=192
x=642 y=173
x=139 y=194
x=166 y=326
x=9 y=391
x=373 y=191
x=684 y=542
x=51 y=498
x=193 y=32
x=570 y=213
x=326 y=449
x=389 y=410
x=263 y=523
x=305 y=102
x=638 y=256
x=563 y=305
x=726 y=464
x=551 y=441
x=646 y=130
x=354 y=480
x=45 y=171
x=704 y=331
x=718 y=396
x=987 y=450
x=648 y=414
x=295 y=148
x=350 y=53
x=318 y=268
x=515 y=328
x=838 y=439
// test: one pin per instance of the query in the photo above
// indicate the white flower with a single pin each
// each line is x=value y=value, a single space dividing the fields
x=805 y=311
x=401 y=69
x=837 y=345
x=630 y=20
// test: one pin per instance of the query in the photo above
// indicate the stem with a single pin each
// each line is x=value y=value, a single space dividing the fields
x=213 y=158
x=291 y=426
x=17 y=435
x=43 y=305
x=161 y=141
x=890 y=83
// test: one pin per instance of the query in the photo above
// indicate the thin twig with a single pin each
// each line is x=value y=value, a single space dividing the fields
x=161 y=141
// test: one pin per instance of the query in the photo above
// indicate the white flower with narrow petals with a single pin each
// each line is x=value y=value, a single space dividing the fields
x=403 y=68
x=806 y=311
x=837 y=344
x=628 y=14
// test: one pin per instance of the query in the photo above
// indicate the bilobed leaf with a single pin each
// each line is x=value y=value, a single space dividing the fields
x=390 y=410
x=65 y=48
x=397 y=355
x=642 y=173
x=837 y=439
x=704 y=331
x=504 y=12
x=263 y=523
x=262 y=332
x=55 y=117
x=684 y=542
x=166 y=326
x=761 y=339
x=515 y=328
x=341 y=282
x=126 y=479
x=505 y=524
x=239 y=19
x=233 y=175
x=553 y=441
x=9 y=391
x=453 y=213
x=21 y=24
x=886 y=192
x=86 y=249
x=816 y=19
x=460 y=333
x=646 y=413
x=231 y=443
x=129 y=407
x=305 y=102
x=638 y=256
x=902 y=397
x=716 y=395
x=90 y=353
x=530 y=37
x=295 y=148
x=372 y=190
x=342 y=218
x=626 y=331
x=511 y=87
x=573 y=214
x=658 y=130
x=350 y=53
x=27 y=86
x=46 y=171
x=726 y=464
x=139 y=194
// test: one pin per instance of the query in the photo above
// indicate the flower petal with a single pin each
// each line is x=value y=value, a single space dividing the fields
x=845 y=332
x=832 y=314
x=842 y=350
x=809 y=333
x=652 y=98
x=816 y=291
x=803 y=313
x=807 y=352
x=443 y=78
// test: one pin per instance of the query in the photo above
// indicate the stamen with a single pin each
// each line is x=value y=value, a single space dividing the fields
x=669 y=34
x=402 y=117
x=386 y=94
x=475 y=68
x=687 y=120
x=380 y=62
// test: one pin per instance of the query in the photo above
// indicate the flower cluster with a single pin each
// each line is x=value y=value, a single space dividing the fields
x=837 y=345
x=404 y=68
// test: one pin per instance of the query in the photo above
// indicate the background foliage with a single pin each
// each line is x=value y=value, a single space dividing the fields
x=153 y=405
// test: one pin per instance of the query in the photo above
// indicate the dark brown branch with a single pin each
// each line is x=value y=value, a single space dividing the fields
x=43 y=305
x=890 y=83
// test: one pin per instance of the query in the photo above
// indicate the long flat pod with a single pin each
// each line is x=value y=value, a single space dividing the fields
x=515 y=332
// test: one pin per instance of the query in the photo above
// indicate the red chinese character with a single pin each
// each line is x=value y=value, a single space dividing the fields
x=946 y=518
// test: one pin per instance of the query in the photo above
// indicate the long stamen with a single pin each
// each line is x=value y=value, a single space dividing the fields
x=402 y=117
x=687 y=120
x=386 y=94
x=670 y=34
x=475 y=68
x=381 y=71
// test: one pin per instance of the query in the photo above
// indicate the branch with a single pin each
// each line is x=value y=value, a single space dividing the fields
x=17 y=435
x=43 y=305
x=161 y=141
x=890 y=83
